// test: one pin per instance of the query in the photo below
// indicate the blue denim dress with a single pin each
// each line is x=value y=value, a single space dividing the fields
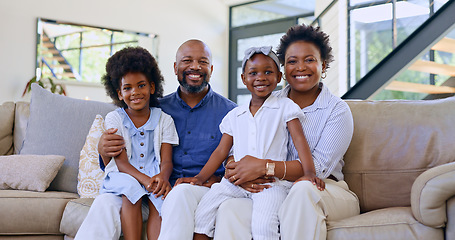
x=142 y=158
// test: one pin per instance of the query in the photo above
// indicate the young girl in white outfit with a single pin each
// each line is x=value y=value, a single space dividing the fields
x=141 y=171
x=259 y=129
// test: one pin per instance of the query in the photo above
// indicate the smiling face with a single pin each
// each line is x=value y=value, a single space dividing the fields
x=261 y=76
x=135 y=91
x=193 y=66
x=303 y=66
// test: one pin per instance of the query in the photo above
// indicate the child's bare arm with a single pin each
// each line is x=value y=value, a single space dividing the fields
x=304 y=152
x=163 y=187
x=216 y=159
x=124 y=165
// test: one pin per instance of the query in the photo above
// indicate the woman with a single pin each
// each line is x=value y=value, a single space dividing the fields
x=305 y=53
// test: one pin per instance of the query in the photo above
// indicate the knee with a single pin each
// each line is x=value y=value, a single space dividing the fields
x=235 y=206
x=304 y=190
x=107 y=200
x=180 y=191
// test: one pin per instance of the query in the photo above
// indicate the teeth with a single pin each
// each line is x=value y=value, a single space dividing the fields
x=260 y=87
x=302 y=77
x=194 y=76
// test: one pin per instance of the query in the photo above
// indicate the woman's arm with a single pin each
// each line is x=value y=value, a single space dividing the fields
x=250 y=168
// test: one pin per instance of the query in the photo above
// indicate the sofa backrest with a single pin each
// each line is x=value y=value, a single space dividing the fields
x=6 y=128
x=395 y=141
x=21 y=116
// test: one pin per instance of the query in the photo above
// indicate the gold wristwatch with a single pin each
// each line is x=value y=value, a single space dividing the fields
x=270 y=169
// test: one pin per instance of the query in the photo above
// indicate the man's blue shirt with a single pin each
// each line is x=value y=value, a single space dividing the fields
x=198 y=131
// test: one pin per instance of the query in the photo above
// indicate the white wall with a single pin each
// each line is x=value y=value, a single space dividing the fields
x=175 y=21
x=334 y=24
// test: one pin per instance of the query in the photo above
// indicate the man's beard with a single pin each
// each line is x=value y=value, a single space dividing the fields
x=194 y=89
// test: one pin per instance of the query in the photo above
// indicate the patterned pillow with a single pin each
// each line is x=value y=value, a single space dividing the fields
x=90 y=176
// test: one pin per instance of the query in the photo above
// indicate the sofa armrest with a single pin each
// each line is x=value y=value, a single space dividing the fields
x=430 y=192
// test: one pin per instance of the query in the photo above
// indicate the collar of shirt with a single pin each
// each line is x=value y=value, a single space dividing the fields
x=270 y=102
x=321 y=102
x=201 y=103
x=151 y=123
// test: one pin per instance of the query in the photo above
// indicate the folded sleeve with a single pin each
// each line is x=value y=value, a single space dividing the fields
x=169 y=131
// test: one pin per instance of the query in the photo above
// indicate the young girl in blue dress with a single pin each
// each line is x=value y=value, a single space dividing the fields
x=141 y=171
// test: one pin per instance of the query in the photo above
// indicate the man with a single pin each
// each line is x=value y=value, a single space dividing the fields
x=197 y=112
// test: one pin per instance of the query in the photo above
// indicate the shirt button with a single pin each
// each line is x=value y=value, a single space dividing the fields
x=142 y=155
x=142 y=133
x=141 y=167
x=189 y=132
x=185 y=153
x=142 y=144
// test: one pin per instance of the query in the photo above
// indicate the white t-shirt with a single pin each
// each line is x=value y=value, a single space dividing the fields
x=265 y=134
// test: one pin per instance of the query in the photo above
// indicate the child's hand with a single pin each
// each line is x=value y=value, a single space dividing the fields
x=191 y=180
x=159 y=186
x=315 y=180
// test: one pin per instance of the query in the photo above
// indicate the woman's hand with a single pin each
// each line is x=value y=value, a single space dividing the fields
x=319 y=183
x=159 y=186
x=257 y=185
x=247 y=169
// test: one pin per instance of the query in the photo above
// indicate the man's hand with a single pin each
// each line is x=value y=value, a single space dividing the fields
x=196 y=181
x=110 y=144
x=213 y=179
x=190 y=180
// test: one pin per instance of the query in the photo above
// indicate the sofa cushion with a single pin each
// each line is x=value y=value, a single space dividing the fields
x=21 y=116
x=393 y=143
x=34 y=212
x=392 y=223
x=75 y=212
x=6 y=128
x=58 y=125
x=29 y=172
x=90 y=176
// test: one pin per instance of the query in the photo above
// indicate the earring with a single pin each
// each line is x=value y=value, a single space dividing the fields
x=324 y=75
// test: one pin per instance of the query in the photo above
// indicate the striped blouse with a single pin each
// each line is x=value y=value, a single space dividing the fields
x=328 y=128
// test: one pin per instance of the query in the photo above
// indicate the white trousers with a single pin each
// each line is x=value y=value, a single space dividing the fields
x=265 y=206
x=178 y=211
x=302 y=215
x=103 y=219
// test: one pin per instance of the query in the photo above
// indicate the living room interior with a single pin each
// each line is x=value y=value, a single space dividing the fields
x=393 y=56
x=349 y=23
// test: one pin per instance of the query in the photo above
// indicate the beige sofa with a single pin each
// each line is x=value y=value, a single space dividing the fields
x=400 y=163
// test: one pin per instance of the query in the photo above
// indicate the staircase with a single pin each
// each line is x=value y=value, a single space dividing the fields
x=431 y=35
x=53 y=63
x=444 y=45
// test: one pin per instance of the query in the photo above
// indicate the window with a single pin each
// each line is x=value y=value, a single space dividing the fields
x=78 y=53
x=378 y=27
x=258 y=24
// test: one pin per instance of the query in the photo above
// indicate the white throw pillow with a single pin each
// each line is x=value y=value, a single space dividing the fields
x=90 y=176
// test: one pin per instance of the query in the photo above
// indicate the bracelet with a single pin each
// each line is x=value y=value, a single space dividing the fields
x=232 y=160
x=284 y=175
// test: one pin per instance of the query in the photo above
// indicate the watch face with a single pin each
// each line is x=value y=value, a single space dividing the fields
x=270 y=169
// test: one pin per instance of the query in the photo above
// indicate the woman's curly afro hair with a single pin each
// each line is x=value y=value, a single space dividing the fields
x=307 y=34
x=132 y=60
